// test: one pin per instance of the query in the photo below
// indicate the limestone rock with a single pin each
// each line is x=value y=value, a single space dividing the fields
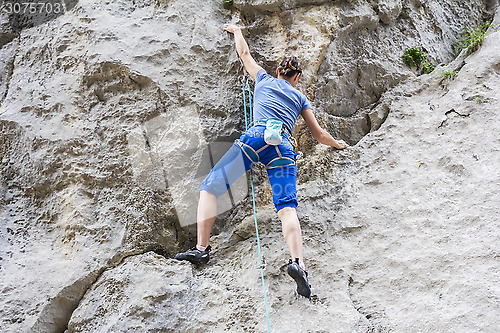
x=275 y=5
x=389 y=10
x=364 y=58
x=430 y=235
x=7 y=54
x=7 y=32
x=145 y=291
x=112 y=112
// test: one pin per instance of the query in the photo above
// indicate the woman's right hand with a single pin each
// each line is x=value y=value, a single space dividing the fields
x=340 y=144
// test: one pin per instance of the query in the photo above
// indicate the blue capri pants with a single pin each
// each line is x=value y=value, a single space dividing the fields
x=249 y=149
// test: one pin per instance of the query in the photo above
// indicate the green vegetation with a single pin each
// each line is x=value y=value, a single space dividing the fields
x=427 y=67
x=414 y=57
x=472 y=39
x=228 y=3
x=447 y=75
x=479 y=99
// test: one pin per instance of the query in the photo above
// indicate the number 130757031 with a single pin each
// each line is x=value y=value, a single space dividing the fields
x=31 y=7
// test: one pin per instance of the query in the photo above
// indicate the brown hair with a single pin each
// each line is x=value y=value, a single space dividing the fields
x=289 y=66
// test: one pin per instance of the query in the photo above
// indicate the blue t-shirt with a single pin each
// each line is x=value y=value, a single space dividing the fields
x=277 y=98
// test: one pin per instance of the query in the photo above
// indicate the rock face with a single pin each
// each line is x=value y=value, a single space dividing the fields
x=143 y=297
x=112 y=112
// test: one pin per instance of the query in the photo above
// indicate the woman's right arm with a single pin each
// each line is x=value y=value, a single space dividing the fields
x=320 y=134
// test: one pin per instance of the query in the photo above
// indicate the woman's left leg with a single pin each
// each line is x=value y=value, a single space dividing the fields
x=229 y=168
x=207 y=210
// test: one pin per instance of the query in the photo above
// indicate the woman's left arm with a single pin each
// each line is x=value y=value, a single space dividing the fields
x=243 y=50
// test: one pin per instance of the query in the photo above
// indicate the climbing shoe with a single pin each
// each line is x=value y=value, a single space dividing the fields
x=195 y=256
x=300 y=276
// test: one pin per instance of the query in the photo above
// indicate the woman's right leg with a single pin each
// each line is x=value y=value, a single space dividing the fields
x=283 y=183
x=292 y=233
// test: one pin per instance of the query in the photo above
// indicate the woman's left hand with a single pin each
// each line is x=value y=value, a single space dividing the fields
x=231 y=28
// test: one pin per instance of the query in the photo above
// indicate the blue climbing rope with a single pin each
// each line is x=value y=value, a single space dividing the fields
x=245 y=86
x=245 y=83
x=250 y=101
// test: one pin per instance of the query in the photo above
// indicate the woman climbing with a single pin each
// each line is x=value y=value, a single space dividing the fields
x=277 y=105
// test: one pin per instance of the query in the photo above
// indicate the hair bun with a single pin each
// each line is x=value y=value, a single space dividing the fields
x=289 y=66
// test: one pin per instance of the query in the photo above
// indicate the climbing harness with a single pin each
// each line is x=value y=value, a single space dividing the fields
x=253 y=155
x=261 y=265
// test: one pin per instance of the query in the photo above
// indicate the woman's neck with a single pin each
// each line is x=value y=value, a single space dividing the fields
x=286 y=78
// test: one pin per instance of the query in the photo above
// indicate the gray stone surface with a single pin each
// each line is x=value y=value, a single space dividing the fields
x=139 y=295
x=105 y=119
x=363 y=59
x=389 y=10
